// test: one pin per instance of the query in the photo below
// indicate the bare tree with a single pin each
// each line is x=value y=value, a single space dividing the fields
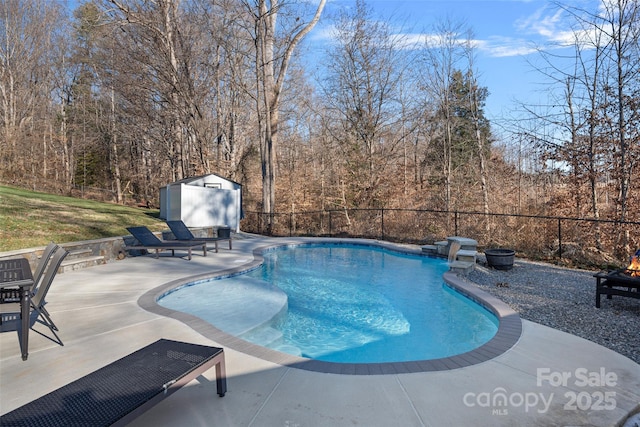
x=620 y=24
x=227 y=64
x=274 y=50
x=28 y=55
x=588 y=75
x=441 y=57
x=476 y=98
x=363 y=91
x=160 y=64
x=595 y=116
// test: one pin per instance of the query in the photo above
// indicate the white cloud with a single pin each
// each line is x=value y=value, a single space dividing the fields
x=501 y=47
x=496 y=46
x=324 y=34
x=545 y=28
x=548 y=26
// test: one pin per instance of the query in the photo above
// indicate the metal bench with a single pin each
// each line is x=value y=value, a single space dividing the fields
x=121 y=391
x=616 y=283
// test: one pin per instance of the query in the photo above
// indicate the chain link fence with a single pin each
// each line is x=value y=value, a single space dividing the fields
x=571 y=241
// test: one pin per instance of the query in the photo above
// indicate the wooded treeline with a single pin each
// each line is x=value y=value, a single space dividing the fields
x=120 y=97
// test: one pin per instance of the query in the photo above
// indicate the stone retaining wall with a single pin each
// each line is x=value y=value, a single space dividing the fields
x=106 y=250
x=93 y=252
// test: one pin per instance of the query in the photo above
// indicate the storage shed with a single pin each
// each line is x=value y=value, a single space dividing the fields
x=203 y=201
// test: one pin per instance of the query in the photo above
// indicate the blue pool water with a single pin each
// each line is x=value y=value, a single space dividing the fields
x=353 y=304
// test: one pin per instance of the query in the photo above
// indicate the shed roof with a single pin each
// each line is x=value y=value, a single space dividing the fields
x=196 y=178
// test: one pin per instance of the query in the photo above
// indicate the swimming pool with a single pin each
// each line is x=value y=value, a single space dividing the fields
x=346 y=303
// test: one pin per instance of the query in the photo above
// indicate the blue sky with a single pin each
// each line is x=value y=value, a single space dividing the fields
x=506 y=33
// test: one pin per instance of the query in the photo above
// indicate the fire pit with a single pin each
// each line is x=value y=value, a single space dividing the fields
x=634 y=265
x=624 y=282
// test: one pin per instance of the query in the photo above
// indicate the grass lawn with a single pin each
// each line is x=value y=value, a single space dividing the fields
x=31 y=219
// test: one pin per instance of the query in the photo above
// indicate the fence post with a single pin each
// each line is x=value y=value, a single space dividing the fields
x=382 y=224
x=290 y=224
x=559 y=240
x=330 y=225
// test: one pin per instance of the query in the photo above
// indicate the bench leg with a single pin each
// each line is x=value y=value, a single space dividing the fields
x=598 y=287
x=221 y=379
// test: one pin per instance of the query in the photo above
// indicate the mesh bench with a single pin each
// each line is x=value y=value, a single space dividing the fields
x=616 y=283
x=121 y=391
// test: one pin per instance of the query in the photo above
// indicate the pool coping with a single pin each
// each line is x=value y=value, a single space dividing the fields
x=507 y=335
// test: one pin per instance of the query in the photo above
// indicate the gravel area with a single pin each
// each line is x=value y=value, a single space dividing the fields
x=564 y=299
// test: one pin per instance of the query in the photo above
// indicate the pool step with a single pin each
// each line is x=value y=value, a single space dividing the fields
x=466 y=255
x=289 y=349
x=267 y=336
x=442 y=248
x=264 y=336
x=438 y=248
x=430 y=249
x=261 y=304
x=462 y=267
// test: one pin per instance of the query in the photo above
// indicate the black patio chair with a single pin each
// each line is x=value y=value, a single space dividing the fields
x=182 y=233
x=148 y=240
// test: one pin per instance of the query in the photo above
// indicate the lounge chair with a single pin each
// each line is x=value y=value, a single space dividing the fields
x=148 y=240
x=182 y=233
x=38 y=299
x=38 y=302
x=13 y=295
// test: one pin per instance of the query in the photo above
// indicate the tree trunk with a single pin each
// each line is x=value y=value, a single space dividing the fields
x=114 y=150
x=270 y=88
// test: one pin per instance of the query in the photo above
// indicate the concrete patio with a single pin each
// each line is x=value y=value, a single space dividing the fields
x=548 y=378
